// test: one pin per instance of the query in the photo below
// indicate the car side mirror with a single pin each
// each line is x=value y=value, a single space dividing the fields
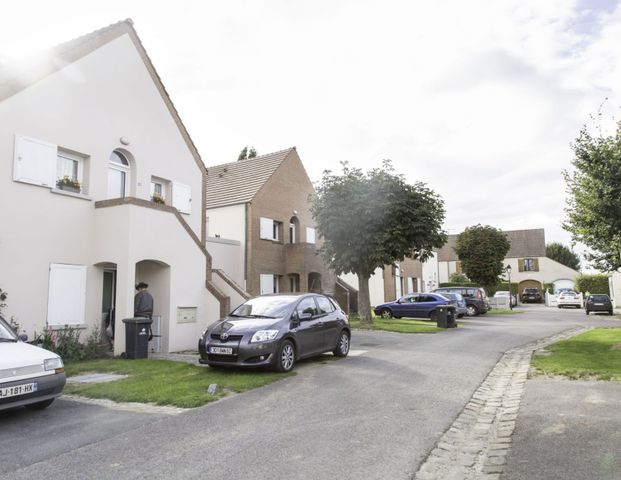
x=304 y=316
x=23 y=337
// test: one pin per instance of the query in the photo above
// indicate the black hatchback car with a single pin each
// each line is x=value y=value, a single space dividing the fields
x=276 y=330
x=598 y=303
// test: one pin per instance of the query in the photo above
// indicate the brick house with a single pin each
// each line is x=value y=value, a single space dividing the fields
x=263 y=203
x=530 y=268
x=95 y=111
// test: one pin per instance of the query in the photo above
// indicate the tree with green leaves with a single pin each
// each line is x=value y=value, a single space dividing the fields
x=594 y=197
x=246 y=153
x=562 y=254
x=481 y=251
x=368 y=220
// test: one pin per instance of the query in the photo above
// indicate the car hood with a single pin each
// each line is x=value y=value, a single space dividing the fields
x=20 y=354
x=234 y=325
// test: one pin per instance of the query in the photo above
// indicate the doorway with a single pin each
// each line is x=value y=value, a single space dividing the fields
x=108 y=302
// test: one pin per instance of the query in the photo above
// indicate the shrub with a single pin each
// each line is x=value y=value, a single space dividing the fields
x=66 y=343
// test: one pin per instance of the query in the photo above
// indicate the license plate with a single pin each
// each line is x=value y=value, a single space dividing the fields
x=598 y=304
x=221 y=350
x=18 y=390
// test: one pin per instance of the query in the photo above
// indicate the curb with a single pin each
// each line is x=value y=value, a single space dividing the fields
x=476 y=445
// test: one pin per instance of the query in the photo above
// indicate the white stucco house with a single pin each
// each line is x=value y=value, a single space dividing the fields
x=94 y=111
x=614 y=283
x=527 y=256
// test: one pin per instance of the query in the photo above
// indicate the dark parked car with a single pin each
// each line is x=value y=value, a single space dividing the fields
x=475 y=297
x=598 y=303
x=29 y=376
x=414 y=305
x=531 y=295
x=276 y=331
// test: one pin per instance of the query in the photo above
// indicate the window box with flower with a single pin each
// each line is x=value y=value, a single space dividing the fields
x=157 y=198
x=69 y=184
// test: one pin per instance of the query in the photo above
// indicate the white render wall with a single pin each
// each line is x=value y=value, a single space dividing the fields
x=227 y=255
x=376 y=285
x=87 y=107
x=430 y=273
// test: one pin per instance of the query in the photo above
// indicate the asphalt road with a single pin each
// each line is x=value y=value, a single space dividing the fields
x=373 y=415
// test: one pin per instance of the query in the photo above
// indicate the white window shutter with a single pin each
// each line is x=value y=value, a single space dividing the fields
x=182 y=197
x=310 y=235
x=267 y=284
x=34 y=161
x=67 y=295
x=267 y=228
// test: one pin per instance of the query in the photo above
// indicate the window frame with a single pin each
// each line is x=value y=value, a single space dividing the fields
x=122 y=168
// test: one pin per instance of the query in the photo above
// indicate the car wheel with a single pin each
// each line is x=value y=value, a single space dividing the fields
x=587 y=312
x=386 y=313
x=609 y=312
x=460 y=315
x=285 y=357
x=40 y=405
x=472 y=311
x=342 y=347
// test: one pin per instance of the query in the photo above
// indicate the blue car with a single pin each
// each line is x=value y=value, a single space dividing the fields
x=414 y=305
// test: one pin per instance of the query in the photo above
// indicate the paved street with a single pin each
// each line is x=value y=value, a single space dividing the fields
x=376 y=414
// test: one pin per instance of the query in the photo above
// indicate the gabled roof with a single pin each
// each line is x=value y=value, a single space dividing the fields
x=28 y=71
x=238 y=182
x=524 y=244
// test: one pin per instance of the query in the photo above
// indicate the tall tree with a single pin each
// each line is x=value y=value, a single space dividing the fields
x=562 y=254
x=247 y=153
x=481 y=250
x=594 y=197
x=368 y=220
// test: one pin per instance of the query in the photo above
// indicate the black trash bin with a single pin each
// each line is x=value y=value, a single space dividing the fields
x=137 y=331
x=440 y=316
x=450 y=318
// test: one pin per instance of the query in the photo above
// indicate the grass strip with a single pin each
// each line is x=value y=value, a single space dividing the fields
x=504 y=311
x=398 y=325
x=164 y=382
x=596 y=353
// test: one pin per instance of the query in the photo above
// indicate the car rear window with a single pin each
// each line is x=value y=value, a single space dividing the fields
x=599 y=298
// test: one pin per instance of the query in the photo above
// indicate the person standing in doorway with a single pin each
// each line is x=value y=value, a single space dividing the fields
x=143 y=304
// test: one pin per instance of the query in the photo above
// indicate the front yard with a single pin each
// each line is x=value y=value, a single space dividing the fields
x=596 y=353
x=164 y=382
x=398 y=325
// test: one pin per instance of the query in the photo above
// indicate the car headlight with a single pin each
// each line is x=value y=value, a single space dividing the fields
x=264 y=336
x=53 y=363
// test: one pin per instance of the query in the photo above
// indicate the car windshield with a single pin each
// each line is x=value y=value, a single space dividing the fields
x=6 y=333
x=265 y=307
x=531 y=290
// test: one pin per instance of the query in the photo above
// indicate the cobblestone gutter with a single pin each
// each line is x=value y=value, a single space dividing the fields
x=476 y=445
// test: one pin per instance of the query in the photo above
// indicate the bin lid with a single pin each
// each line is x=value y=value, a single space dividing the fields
x=138 y=320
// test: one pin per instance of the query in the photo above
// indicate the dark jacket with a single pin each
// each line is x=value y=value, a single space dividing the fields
x=143 y=304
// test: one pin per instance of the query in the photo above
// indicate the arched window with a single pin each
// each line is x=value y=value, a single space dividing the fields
x=293 y=230
x=118 y=175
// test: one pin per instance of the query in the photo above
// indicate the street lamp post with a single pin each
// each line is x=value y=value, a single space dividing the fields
x=508 y=270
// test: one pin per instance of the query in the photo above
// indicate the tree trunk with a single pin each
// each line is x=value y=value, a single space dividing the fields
x=364 y=302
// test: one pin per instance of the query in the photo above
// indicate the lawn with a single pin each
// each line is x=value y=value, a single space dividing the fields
x=399 y=325
x=164 y=382
x=504 y=311
x=596 y=353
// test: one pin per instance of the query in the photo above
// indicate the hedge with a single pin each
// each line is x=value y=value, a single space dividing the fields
x=597 y=283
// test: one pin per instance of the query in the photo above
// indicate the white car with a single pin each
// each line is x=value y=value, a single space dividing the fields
x=29 y=376
x=568 y=298
x=505 y=293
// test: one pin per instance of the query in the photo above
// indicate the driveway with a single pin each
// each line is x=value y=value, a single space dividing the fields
x=376 y=414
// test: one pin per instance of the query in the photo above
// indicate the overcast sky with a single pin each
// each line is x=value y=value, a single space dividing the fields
x=479 y=99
